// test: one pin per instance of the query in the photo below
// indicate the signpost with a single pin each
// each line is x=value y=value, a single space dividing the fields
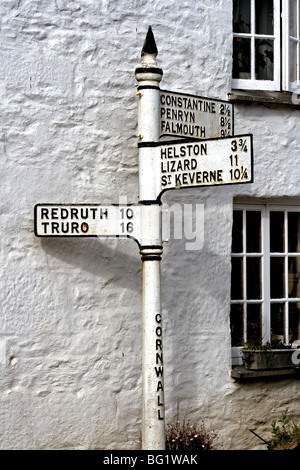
x=210 y=155
x=188 y=164
x=88 y=220
x=189 y=116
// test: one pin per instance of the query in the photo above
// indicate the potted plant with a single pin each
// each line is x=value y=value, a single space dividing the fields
x=258 y=356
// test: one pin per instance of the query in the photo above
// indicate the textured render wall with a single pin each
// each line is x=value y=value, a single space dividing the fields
x=70 y=345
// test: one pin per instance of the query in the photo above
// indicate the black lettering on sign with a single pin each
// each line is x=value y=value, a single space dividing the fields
x=54 y=227
x=178 y=128
x=44 y=213
x=164 y=180
x=159 y=369
x=64 y=213
x=74 y=213
x=160 y=386
x=57 y=228
x=127 y=214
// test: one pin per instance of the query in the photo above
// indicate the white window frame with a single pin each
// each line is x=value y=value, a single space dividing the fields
x=252 y=83
x=265 y=255
x=287 y=84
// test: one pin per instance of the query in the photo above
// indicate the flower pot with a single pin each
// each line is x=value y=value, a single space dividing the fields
x=270 y=359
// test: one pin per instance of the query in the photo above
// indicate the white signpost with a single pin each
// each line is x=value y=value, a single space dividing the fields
x=188 y=164
x=188 y=116
x=202 y=159
x=88 y=220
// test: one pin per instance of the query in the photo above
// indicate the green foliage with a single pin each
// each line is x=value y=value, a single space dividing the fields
x=285 y=434
x=257 y=345
x=188 y=437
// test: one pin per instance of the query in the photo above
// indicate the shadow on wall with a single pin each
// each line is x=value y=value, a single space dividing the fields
x=111 y=259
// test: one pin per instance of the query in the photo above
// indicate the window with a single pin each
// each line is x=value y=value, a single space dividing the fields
x=265 y=55
x=265 y=276
x=291 y=44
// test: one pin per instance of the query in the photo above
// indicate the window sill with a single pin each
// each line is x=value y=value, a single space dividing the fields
x=241 y=373
x=264 y=97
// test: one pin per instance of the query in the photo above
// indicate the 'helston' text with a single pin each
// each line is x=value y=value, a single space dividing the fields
x=181 y=166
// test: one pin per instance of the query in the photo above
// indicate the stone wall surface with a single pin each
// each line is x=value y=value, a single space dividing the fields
x=70 y=335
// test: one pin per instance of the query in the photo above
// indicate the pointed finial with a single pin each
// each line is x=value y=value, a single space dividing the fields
x=148 y=72
x=149 y=46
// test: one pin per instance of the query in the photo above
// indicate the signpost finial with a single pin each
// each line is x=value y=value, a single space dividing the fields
x=149 y=46
x=149 y=53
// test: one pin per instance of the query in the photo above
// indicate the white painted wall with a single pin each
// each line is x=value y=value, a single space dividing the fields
x=70 y=344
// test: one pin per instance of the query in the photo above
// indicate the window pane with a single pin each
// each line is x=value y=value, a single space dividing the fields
x=236 y=278
x=241 y=58
x=237 y=232
x=277 y=323
x=293 y=61
x=237 y=324
x=298 y=20
x=264 y=23
x=277 y=278
x=277 y=232
x=264 y=69
x=294 y=281
x=253 y=278
x=253 y=231
x=241 y=16
x=294 y=321
x=298 y=62
x=254 y=322
x=294 y=232
x=293 y=18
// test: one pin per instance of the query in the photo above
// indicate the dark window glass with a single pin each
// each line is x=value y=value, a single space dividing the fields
x=293 y=61
x=294 y=321
x=276 y=232
x=277 y=323
x=254 y=322
x=241 y=58
x=237 y=232
x=236 y=278
x=294 y=232
x=264 y=21
x=277 y=278
x=237 y=324
x=294 y=276
x=241 y=16
x=264 y=59
x=253 y=278
x=293 y=18
x=253 y=231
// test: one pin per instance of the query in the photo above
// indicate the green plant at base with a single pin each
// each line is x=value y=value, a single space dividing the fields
x=188 y=437
x=285 y=434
